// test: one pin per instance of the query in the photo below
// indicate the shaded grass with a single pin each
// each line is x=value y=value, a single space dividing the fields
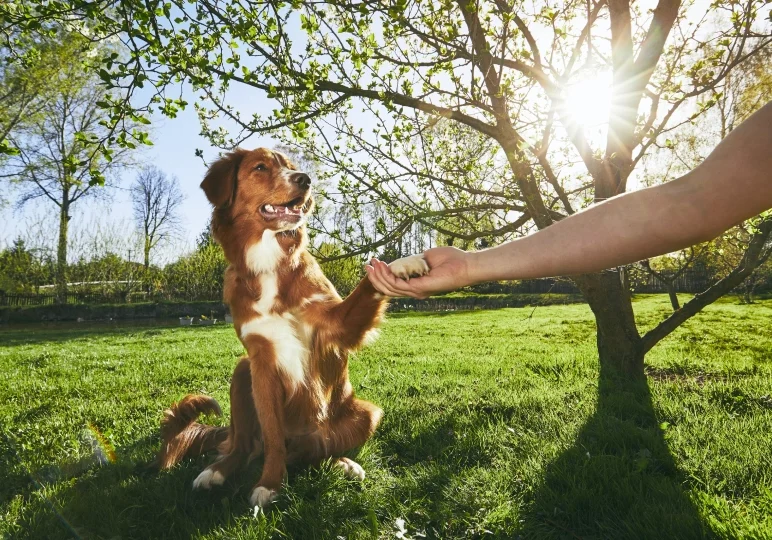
x=498 y=424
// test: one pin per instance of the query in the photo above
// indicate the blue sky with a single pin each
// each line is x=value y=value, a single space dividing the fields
x=175 y=142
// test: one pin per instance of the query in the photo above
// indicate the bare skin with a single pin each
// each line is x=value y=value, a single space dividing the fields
x=733 y=184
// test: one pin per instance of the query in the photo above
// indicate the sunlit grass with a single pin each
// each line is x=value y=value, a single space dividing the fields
x=493 y=428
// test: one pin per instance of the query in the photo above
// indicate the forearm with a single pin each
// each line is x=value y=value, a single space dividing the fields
x=733 y=184
x=621 y=230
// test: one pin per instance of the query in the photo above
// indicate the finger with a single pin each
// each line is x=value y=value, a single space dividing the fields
x=379 y=283
x=388 y=282
x=399 y=286
x=410 y=288
x=376 y=279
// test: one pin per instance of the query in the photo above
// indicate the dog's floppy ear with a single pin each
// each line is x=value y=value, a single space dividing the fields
x=220 y=181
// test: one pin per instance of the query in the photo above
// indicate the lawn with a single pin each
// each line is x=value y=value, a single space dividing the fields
x=498 y=424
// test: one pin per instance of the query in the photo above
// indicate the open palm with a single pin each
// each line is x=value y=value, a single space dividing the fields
x=448 y=271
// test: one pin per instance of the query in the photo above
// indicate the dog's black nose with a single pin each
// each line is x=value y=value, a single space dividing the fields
x=302 y=179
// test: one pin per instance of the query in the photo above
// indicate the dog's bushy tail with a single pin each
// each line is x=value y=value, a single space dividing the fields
x=182 y=436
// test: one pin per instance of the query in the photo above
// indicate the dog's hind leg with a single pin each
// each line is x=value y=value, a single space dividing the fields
x=353 y=424
x=243 y=440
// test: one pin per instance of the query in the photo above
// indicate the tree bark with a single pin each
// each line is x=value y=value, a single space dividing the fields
x=61 y=251
x=619 y=344
x=673 y=296
x=147 y=252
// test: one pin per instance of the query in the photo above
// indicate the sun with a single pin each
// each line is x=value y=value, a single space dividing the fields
x=588 y=100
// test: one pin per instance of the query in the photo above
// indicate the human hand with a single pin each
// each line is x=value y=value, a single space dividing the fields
x=448 y=270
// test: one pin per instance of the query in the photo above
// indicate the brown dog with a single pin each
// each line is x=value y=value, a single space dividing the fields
x=291 y=398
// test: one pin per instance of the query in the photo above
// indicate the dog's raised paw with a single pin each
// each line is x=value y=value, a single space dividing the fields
x=351 y=469
x=262 y=497
x=407 y=267
x=208 y=478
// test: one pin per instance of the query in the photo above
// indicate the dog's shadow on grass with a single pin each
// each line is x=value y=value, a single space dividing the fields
x=128 y=500
x=123 y=499
x=619 y=479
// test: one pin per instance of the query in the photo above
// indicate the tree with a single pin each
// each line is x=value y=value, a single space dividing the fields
x=503 y=71
x=198 y=276
x=669 y=268
x=344 y=273
x=745 y=89
x=728 y=251
x=21 y=269
x=156 y=199
x=59 y=151
x=27 y=68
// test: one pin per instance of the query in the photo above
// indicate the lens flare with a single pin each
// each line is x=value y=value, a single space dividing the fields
x=588 y=100
x=102 y=445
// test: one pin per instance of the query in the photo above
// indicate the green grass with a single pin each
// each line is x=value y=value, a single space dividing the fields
x=498 y=424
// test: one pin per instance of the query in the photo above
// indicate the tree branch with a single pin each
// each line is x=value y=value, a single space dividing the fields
x=751 y=258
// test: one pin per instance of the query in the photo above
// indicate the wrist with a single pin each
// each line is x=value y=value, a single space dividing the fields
x=474 y=268
x=504 y=262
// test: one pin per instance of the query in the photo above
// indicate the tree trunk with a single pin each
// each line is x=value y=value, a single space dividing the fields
x=748 y=288
x=61 y=251
x=147 y=252
x=619 y=344
x=673 y=296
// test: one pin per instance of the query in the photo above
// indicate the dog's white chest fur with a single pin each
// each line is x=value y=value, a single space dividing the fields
x=264 y=256
x=269 y=289
x=290 y=343
x=289 y=346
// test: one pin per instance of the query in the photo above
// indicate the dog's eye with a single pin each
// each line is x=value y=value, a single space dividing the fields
x=261 y=167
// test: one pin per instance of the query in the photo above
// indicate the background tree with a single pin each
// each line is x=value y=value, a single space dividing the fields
x=345 y=273
x=22 y=270
x=197 y=276
x=59 y=154
x=727 y=252
x=27 y=69
x=156 y=200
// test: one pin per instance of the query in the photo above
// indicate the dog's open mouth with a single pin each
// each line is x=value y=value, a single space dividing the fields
x=291 y=211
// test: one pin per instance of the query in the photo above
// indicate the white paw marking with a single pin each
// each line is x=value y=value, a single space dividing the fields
x=208 y=478
x=262 y=497
x=407 y=267
x=371 y=336
x=351 y=469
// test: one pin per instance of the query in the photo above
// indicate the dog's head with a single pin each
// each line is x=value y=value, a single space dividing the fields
x=261 y=188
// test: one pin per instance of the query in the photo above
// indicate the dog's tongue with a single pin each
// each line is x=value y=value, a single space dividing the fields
x=282 y=210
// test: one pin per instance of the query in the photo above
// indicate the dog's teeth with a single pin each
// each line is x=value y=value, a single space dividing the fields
x=269 y=207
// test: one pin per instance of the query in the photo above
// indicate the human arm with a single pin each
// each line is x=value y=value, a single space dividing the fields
x=734 y=183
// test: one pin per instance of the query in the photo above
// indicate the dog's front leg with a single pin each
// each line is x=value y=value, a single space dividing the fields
x=349 y=321
x=268 y=395
x=362 y=310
